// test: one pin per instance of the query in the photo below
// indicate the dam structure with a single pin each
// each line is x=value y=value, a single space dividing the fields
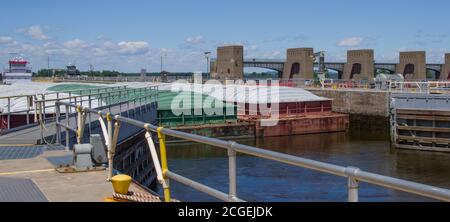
x=300 y=63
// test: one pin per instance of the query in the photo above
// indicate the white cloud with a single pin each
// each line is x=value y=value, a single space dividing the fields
x=353 y=41
x=35 y=32
x=195 y=40
x=133 y=48
x=250 y=47
x=6 y=40
x=76 y=44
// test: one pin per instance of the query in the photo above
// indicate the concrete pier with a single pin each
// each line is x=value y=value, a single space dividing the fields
x=357 y=101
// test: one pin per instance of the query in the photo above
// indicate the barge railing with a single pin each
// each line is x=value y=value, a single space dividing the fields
x=354 y=175
x=131 y=98
x=31 y=107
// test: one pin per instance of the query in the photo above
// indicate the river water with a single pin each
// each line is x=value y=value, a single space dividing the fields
x=263 y=180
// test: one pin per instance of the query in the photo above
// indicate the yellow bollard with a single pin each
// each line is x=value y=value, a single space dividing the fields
x=121 y=184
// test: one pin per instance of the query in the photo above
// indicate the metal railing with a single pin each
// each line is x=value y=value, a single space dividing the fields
x=354 y=175
x=420 y=87
x=129 y=97
x=110 y=79
x=31 y=106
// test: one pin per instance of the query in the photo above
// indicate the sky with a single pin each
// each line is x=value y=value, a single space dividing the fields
x=130 y=35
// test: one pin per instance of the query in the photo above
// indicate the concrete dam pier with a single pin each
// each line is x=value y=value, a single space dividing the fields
x=358 y=101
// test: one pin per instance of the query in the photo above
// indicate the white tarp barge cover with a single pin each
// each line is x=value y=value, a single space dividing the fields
x=247 y=93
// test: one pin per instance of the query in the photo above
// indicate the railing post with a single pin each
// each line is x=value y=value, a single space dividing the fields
x=9 y=113
x=67 y=130
x=353 y=184
x=110 y=102
x=81 y=124
x=232 y=173
x=110 y=138
x=58 y=127
x=164 y=165
x=89 y=115
x=44 y=109
x=28 y=109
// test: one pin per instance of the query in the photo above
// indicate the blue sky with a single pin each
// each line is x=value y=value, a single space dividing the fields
x=130 y=35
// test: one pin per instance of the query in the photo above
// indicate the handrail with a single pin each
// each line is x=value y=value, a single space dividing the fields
x=108 y=94
x=354 y=175
x=60 y=92
x=95 y=94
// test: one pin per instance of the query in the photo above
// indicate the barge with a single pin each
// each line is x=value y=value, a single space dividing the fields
x=296 y=111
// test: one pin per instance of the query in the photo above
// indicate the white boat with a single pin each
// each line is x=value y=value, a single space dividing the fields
x=18 y=71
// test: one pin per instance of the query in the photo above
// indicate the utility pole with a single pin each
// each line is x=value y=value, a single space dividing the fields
x=48 y=66
x=163 y=54
x=91 y=69
x=207 y=54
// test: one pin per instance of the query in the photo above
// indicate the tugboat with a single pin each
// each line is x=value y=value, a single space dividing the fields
x=18 y=71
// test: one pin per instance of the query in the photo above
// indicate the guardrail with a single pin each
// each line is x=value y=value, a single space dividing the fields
x=129 y=97
x=31 y=107
x=420 y=87
x=354 y=175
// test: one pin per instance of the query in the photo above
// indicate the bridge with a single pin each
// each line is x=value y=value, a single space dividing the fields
x=278 y=65
x=300 y=64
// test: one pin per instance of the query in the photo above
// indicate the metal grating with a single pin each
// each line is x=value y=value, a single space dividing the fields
x=20 y=152
x=54 y=147
x=20 y=190
x=61 y=160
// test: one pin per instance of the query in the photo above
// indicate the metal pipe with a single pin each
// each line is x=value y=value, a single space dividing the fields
x=164 y=165
x=115 y=138
x=154 y=155
x=110 y=137
x=200 y=187
x=67 y=131
x=405 y=186
x=67 y=127
x=81 y=125
x=9 y=113
x=89 y=114
x=28 y=109
x=352 y=187
x=58 y=127
x=352 y=184
x=44 y=110
x=232 y=193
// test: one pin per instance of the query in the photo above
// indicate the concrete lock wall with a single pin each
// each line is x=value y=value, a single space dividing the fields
x=299 y=64
x=418 y=60
x=367 y=103
x=445 y=74
x=364 y=59
x=229 y=63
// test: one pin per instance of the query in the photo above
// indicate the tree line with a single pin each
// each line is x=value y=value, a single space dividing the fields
x=104 y=73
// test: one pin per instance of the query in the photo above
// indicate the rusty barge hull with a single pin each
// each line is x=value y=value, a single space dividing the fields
x=302 y=125
x=287 y=126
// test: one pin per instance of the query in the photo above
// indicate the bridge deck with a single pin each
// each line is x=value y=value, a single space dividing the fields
x=36 y=180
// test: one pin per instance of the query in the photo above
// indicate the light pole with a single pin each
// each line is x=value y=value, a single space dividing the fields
x=48 y=65
x=207 y=54
x=162 y=55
